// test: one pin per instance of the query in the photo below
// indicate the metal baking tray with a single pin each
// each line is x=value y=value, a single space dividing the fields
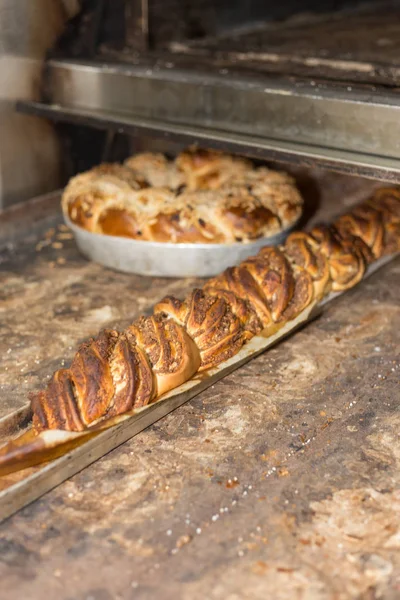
x=17 y=489
x=162 y=259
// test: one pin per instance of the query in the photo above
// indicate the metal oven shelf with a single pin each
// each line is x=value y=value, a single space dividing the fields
x=352 y=129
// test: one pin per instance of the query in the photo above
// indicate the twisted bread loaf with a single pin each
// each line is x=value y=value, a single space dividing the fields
x=201 y=196
x=119 y=371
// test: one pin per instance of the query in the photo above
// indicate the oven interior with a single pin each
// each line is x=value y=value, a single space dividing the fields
x=308 y=87
x=311 y=84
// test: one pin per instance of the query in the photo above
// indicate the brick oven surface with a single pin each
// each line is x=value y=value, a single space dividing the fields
x=281 y=481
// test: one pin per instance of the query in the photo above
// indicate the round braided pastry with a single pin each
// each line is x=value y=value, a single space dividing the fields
x=119 y=371
x=200 y=197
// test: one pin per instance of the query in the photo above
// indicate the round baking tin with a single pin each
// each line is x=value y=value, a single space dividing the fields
x=164 y=259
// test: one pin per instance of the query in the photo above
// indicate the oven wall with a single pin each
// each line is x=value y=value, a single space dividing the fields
x=175 y=20
x=29 y=148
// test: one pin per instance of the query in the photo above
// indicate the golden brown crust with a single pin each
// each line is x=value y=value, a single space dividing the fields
x=56 y=407
x=345 y=257
x=132 y=376
x=270 y=187
x=240 y=307
x=119 y=222
x=228 y=215
x=210 y=323
x=303 y=295
x=119 y=371
x=201 y=197
x=214 y=328
x=303 y=251
x=386 y=201
x=91 y=194
x=239 y=281
x=157 y=170
x=366 y=224
x=180 y=225
x=171 y=353
x=209 y=169
x=271 y=270
x=392 y=238
x=91 y=377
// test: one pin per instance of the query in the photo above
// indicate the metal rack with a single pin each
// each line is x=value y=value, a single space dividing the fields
x=351 y=129
x=315 y=90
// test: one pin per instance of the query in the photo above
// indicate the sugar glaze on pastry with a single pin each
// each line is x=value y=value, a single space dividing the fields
x=202 y=196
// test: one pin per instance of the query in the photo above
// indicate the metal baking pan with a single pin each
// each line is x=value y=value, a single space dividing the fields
x=20 y=487
x=162 y=259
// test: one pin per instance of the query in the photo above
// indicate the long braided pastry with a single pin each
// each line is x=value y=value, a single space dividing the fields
x=119 y=371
